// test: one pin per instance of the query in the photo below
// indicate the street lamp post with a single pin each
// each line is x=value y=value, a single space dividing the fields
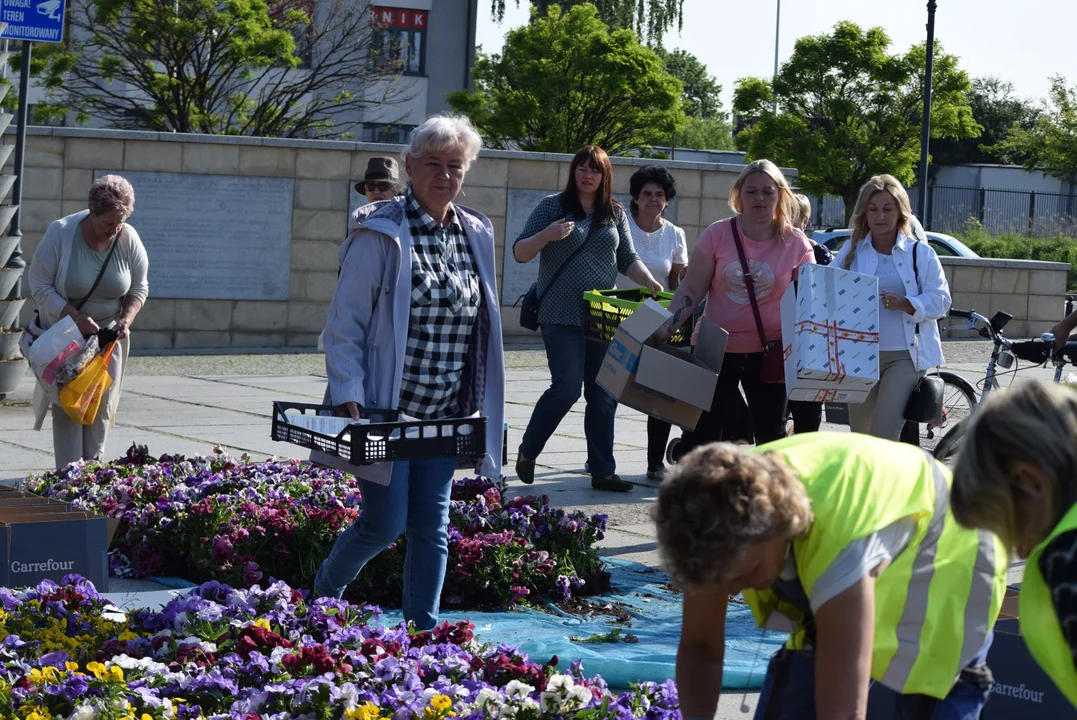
x=925 y=131
x=777 y=33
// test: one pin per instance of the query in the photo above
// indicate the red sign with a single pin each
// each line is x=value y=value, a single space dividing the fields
x=404 y=18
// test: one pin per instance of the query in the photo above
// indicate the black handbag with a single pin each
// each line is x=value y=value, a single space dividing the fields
x=925 y=401
x=530 y=301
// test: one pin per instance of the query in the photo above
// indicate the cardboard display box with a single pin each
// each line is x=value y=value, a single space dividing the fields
x=666 y=383
x=1021 y=689
x=43 y=539
x=830 y=332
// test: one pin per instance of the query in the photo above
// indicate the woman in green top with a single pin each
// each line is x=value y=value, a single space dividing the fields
x=1017 y=477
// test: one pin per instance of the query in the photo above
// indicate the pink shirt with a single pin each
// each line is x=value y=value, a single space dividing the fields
x=771 y=264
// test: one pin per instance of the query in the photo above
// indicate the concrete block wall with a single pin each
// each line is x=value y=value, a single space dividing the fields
x=60 y=165
x=1033 y=292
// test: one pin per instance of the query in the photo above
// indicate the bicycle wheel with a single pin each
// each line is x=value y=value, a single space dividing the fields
x=958 y=400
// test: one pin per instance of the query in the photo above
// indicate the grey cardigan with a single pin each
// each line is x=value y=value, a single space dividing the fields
x=366 y=330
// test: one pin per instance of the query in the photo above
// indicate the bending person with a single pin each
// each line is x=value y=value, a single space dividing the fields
x=847 y=540
x=1015 y=478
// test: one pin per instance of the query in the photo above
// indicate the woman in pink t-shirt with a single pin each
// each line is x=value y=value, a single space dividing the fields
x=765 y=209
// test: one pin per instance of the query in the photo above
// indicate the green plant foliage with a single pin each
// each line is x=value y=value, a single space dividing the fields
x=565 y=81
x=848 y=110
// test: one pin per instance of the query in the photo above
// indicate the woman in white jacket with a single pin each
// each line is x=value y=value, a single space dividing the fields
x=913 y=294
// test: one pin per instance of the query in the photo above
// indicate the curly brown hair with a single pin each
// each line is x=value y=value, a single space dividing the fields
x=717 y=503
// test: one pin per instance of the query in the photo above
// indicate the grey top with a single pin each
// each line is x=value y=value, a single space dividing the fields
x=609 y=251
x=107 y=300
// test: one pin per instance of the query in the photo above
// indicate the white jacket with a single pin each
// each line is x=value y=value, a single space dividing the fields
x=929 y=295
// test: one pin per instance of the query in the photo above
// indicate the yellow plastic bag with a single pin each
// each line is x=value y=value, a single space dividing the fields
x=81 y=398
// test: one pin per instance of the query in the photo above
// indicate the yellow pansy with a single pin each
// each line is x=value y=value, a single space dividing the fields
x=72 y=666
x=262 y=623
x=36 y=676
x=126 y=636
x=367 y=711
x=35 y=715
x=116 y=673
x=98 y=670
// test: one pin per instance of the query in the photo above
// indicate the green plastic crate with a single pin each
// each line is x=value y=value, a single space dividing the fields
x=607 y=308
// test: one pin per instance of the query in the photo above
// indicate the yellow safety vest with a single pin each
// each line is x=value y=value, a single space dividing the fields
x=1039 y=621
x=938 y=599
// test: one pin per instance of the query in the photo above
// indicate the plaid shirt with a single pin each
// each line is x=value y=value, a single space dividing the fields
x=445 y=301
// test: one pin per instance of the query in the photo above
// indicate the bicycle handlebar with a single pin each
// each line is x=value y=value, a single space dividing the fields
x=963 y=314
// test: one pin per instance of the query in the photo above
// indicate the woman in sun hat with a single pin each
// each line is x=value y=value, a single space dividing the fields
x=382 y=180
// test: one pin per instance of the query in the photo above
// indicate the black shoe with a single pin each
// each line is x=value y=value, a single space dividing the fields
x=611 y=483
x=658 y=474
x=525 y=469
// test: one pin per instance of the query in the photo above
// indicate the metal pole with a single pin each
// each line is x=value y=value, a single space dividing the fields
x=20 y=146
x=925 y=131
x=777 y=34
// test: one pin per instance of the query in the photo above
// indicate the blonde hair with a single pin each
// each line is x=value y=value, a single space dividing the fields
x=1035 y=424
x=803 y=210
x=719 y=502
x=111 y=192
x=859 y=221
x=785 y=212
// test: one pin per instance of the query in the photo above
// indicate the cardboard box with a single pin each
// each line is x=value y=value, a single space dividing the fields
x=1021 y=689
x=38 y=545
x=666 y=383
x=830 y=330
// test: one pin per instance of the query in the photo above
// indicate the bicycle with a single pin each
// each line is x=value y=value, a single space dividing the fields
x=1004 y=354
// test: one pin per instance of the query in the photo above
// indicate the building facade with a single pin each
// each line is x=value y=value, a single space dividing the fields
x=433 y=39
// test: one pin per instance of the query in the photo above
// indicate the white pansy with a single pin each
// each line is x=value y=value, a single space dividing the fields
x=580 y=694
x=487 y=696
x=560 y=684
x=550 y=702
x=516 y=690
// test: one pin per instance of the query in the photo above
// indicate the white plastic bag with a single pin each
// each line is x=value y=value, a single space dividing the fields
x=48 y=351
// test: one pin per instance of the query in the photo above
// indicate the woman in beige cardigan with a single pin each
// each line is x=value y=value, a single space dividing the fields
x=64 y=267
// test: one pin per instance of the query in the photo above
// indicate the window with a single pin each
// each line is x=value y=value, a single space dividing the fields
x=386 y=133
x=399 y=41
x=942 y=249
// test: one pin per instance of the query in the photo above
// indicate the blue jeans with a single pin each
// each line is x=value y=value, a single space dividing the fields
x=416 y=502
x=574 y=362
x=789 y=694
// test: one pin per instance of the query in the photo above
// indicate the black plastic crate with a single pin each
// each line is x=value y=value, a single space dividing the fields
x=607 y=308
x=385 y=438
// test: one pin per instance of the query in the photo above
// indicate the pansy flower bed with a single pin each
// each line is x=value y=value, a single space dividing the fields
x=220 y=653
x=241 y=522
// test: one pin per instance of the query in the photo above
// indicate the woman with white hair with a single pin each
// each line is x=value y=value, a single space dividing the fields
x=913 y=293
x=92 y=267
x=742 y=266
x=415 y=326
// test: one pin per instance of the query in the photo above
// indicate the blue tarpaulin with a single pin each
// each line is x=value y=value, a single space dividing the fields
x=655 y=624
x=654 y=628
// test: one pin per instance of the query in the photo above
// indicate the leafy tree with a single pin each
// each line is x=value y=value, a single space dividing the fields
x=565 y=81
x=702 y=93
x=705 y=134
x=1050 y=144
x=849 y=110
x=650 y=19
x=995 y=108
x=243 y=67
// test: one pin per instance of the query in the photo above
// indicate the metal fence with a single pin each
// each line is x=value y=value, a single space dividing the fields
x=950 y=209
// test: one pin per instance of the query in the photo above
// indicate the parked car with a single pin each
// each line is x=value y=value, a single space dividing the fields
x=944 y=245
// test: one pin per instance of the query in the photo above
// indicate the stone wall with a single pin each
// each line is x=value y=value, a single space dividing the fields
x=1033 y=292
x=62 y=162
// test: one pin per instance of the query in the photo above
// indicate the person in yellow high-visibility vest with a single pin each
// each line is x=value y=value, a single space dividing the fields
x=1017 y=477
x=848 y=542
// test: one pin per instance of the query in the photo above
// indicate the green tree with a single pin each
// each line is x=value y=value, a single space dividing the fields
x=996 y=108
x=245 y=67
x=702 y=93
x=649 y=19
x=565 y=81
x=1050 y=144
x=705 y=134
x=849 y=110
